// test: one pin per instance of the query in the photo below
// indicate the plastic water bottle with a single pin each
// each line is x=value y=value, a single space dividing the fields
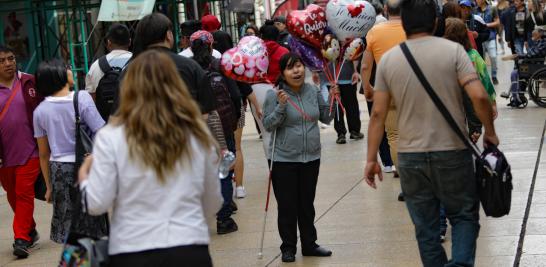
x=228 y=158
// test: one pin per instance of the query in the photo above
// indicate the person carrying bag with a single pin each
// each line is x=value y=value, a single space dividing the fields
x=492 y=170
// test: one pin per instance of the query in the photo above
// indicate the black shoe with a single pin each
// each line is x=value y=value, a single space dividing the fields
x=341 y=139
x=401 y=197
x=21 y=248
x=288 y=256
x=34 y=237
x=227 y=226
x=317 y=252
x=356 y=136
x=396 y=175
x=234 y=207
x=495 y=81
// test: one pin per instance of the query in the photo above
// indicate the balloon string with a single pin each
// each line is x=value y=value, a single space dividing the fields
x=303 y=114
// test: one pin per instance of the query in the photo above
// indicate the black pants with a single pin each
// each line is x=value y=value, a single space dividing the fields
x=294 y=185
x=191 y=256
x=349 y=101
x=384 y=148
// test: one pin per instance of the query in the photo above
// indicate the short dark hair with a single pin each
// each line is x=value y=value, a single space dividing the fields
x=119 y=34
x=51 y=77
x=288 y=61
x=393 y=7
x=418 y=16
x=377 y=6
x=151 y=29
x=187 y=28
x=5 y=49
x=269 y=32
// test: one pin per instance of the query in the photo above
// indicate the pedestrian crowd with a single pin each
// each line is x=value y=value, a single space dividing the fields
x=163 y=123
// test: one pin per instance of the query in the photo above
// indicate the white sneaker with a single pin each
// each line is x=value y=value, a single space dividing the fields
x=240 y=192
x=324 y=126
x=388 y=169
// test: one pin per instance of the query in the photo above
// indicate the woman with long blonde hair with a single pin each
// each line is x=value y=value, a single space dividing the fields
x=156 y=165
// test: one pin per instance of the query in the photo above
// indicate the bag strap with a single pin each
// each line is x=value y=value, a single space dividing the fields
x=76 y=107
x=14 y=92
x=104 y=65
x=439 y=104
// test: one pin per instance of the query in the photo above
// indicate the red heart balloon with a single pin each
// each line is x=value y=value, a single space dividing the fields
x=308 y=25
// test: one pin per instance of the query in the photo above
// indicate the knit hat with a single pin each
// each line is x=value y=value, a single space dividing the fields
x=204 y=36
x=210 y=23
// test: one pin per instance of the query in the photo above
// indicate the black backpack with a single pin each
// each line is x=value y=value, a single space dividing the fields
x=224 y=103
x=108 y=88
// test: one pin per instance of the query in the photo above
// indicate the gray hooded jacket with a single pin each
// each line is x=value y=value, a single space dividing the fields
x=298 y=138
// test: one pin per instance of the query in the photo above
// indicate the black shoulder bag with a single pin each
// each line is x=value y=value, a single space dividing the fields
x=84 y=143
x=494 y=183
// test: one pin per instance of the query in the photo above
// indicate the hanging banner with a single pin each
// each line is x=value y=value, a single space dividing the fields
x=125 y=10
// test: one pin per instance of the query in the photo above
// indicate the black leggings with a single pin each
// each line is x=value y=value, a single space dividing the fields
x=194 y=256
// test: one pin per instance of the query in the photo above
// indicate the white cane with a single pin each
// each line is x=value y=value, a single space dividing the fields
x=260 y=254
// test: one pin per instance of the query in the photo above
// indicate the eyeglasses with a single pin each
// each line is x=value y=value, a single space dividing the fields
x=9 y=59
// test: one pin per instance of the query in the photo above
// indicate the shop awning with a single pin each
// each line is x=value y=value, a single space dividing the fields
x=244 y=6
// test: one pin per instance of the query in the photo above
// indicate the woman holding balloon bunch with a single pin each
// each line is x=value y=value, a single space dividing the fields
x=330 y=41
x=291 y=113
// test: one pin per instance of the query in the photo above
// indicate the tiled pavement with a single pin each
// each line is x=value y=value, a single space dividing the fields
x=363 y=227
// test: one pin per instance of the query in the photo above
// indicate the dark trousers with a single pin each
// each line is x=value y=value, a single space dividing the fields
x=350 y=102
x=226 y=186
x=384 y=148
x=191 y=256
x=294 y=185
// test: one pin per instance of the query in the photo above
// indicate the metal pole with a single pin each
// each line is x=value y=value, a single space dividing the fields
x=195 y=11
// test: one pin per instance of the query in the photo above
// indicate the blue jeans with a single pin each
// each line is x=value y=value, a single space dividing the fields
x=519 y=44
x=490 y=48
x=447 y=177
x=226 y=186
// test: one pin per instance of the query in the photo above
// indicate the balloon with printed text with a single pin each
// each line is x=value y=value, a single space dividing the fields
x=308 y=25
x=247 y=62
x=350 y=19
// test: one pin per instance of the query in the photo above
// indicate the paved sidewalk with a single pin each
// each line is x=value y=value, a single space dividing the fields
x=362 y=226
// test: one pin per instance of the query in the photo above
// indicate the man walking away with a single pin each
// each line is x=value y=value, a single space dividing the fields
x=19 y=163
x=284 y=35
x=102 y=80
x=435 y=166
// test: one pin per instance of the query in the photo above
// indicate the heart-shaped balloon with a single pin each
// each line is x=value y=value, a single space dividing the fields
x=308 y=25
x=350 y=19
x=247 y=62
x=354 y=50
x=310 y=55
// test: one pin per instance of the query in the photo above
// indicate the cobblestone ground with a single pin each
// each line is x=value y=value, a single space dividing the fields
x=363 y=227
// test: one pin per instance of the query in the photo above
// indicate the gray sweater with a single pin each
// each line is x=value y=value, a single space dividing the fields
x=298 y=139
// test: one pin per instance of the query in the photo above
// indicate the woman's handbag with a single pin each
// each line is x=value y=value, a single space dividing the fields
x=84 y=143
x=80 y=250
x=493 y=174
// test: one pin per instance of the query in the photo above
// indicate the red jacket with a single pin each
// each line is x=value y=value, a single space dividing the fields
x=275 y=52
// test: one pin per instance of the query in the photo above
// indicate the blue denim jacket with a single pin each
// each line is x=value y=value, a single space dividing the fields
x=297 y=139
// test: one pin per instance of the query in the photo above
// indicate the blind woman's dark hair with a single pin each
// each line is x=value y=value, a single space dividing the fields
x=287 y=62
x=202 y=53
x=51 y=77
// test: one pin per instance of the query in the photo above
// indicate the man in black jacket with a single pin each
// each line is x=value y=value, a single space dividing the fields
x=515 y=30
x=280 y=23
